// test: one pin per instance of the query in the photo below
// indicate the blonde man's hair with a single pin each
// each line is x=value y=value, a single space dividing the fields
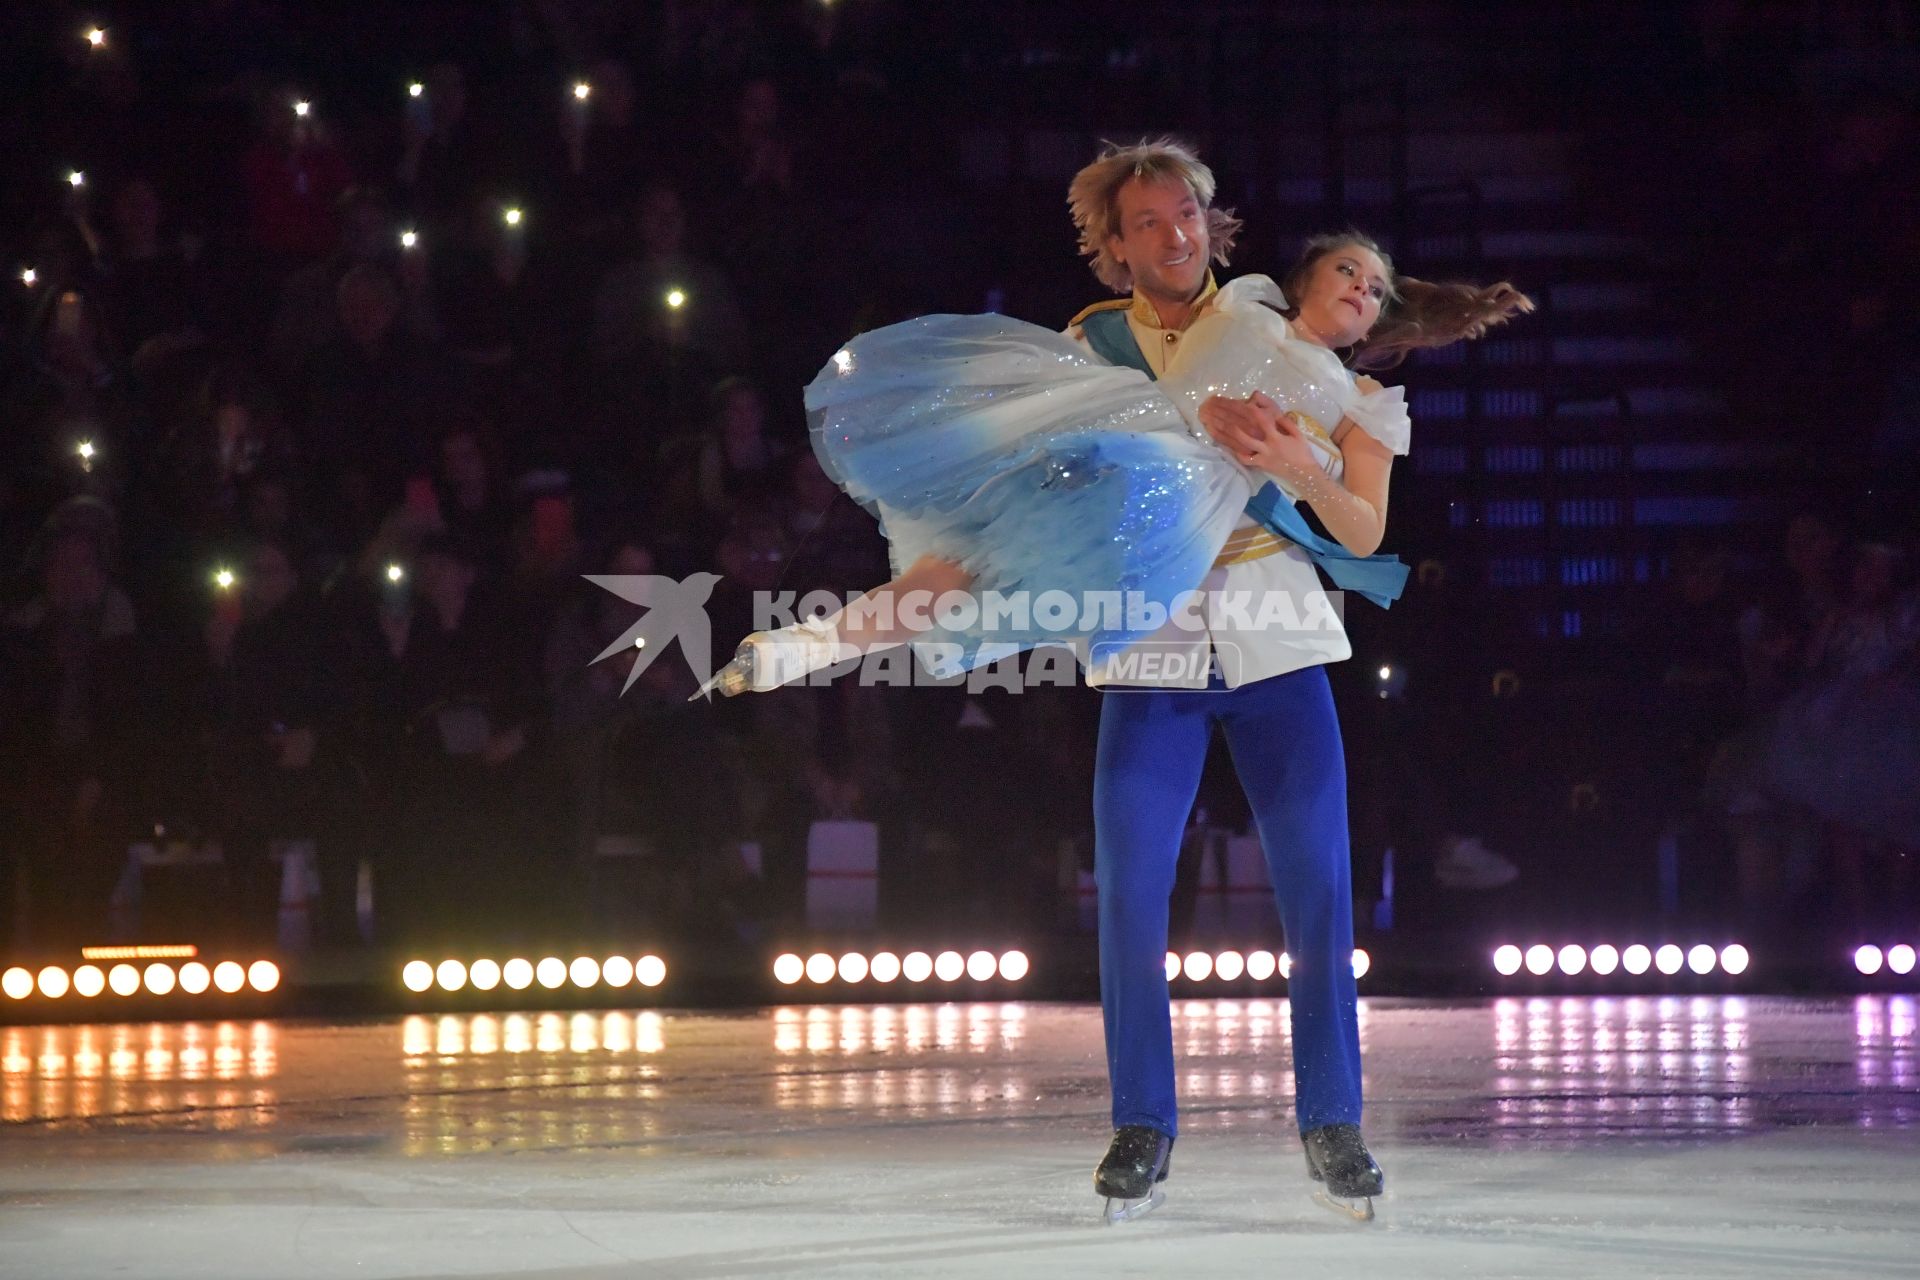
x=1094 y=199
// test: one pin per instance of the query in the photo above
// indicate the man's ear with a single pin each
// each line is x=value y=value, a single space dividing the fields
x=1116 y=248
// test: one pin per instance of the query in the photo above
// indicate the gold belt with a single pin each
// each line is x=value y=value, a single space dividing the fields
x=1256 y=543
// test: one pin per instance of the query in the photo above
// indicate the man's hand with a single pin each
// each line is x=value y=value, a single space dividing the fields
x=1257 y=433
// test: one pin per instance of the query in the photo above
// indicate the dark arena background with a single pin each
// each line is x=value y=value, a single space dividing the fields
x=355 y=922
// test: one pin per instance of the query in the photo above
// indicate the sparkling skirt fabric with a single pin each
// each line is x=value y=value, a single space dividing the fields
x=1016 y=453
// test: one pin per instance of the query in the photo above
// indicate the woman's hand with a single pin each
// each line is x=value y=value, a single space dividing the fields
x=1259 y=434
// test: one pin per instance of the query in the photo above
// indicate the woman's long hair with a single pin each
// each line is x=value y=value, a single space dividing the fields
x=1416 y=313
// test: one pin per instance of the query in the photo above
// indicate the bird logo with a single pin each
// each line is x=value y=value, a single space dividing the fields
x=675 y=609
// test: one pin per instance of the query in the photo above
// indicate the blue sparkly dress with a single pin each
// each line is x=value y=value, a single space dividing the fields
x=1015 y=452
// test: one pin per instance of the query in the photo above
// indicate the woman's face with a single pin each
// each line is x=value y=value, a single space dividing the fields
x=1344 y=293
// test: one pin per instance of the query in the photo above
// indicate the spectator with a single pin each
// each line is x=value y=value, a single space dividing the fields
x=732 y=464
x=447 y=726
x=277 y=769
x=373 y=392
x=295 y=175
x=69 y=684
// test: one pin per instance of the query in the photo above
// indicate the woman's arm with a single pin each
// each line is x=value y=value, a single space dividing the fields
x=1259 y=433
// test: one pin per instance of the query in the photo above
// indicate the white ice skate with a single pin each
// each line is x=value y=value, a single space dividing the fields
x=768 y=659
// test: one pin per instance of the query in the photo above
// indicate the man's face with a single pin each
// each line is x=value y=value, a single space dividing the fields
x=1162 y=238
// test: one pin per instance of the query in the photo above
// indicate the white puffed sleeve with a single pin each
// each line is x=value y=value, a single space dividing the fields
x=1382 y=414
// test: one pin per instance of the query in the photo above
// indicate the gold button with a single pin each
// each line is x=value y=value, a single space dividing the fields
x=1172 y=338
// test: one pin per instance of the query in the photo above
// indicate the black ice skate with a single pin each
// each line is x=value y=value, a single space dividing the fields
x=1129 y=1177
x=1338 y=1159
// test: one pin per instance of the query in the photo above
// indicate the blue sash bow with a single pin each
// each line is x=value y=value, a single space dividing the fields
x=1380 y=578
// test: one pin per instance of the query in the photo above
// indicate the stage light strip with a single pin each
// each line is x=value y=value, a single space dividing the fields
x=1231 y=966
x=54 y=982
x=883 y=967
x=1870 y=959
x=1571 y=960
x=583 y=972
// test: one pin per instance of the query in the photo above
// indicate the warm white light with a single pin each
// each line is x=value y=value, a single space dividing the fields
x=1701 y=959
x=76 y=179
x=513 y=217
x=1285 y=966
x=195 y=977
x=303 y=108
x=885 y=967
x=1669 y=958
x=948 y=966
x=263 y=975
x=415 y=89
x=1604 y=960
x=650 y=971
x=124 y=979
x=917 y=967
x=54 y=982
x=1261 y=965
x=96 y=36
x=676 y=298
x=1198 y=966
x=1539 y=959
x=1899 y=959
x=517 y=974
x=409 y=239
x=17 y=983
x=581 y=90
x=451 y=975
x=1734 y=959
x=1014 y=966
x=29 y=277
x=1386 y=673
x=616 y=971
x=230 y=977
x=1173 y=966
x=89 y=981
x=158 y=978
x=1868 y=959
x=85 y=449
x=789 y=969
x=853 y=967
x=584 y=971
x=223 y=579
x=1229 y=965
x=1572 y=958
x=820 y=967
x=982 y=965
x=551 y=972
x=484 y=974
x=1506 y=959
x=1361 y=963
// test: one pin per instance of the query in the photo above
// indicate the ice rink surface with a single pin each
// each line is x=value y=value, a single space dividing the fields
x=1688 y=1136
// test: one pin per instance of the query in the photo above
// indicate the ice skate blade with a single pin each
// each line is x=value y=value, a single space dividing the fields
x=1358 y=1209
x=734 y=678
x=1118 y=1210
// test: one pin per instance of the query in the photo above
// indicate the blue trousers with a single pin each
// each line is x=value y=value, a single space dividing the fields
x=1285 y=742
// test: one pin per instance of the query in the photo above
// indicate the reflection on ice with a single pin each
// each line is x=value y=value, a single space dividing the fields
x=79 y=1072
